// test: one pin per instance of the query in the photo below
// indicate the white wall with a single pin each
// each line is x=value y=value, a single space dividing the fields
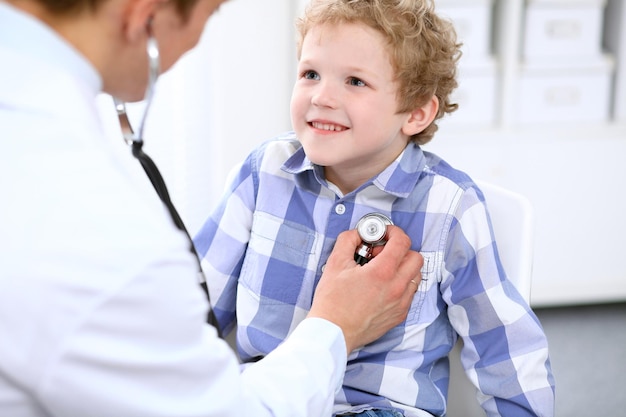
x=251 y=48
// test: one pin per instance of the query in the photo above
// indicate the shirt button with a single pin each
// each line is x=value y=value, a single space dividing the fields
x=340 y=209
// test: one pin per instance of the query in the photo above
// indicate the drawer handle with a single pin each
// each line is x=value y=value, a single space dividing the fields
x=562 y=96
x=564 y=29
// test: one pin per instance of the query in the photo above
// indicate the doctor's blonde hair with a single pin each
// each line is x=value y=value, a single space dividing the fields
x=423 y=47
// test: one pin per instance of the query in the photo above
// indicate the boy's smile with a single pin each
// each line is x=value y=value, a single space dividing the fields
x=320 y=125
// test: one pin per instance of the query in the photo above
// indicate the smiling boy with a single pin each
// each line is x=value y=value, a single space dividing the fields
x=373 y=78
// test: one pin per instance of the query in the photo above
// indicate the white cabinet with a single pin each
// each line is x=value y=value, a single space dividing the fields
x=560 y=139
x=472 y=20
x=615 y=41
x=562 y=28
x=478 y=72
x=559 y=92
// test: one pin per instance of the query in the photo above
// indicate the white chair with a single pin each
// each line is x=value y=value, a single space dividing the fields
x=513 y=225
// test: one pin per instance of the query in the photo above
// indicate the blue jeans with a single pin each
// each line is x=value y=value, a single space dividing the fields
x=375 y=413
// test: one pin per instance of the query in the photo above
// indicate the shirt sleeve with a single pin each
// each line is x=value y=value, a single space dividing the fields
x=143 y=349
x=505 y=351
x=306 y=388
x=222 y=241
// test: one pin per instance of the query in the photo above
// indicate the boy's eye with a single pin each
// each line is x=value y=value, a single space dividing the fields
x=310 y=75
x=356 y=82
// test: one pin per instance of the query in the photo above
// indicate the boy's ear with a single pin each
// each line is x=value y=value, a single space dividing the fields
x=420 y=118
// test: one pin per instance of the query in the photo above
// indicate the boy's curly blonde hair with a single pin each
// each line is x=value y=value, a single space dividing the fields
x=423 y=47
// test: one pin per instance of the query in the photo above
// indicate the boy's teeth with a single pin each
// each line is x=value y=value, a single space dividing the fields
x=324 y=126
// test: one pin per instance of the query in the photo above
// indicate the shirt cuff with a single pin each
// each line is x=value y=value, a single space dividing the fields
x=322 y=334
x=304 y=373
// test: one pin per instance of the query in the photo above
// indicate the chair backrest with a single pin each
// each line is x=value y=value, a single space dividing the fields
x=513 y=226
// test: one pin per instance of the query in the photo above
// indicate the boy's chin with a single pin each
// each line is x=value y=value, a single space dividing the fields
x=317 y=154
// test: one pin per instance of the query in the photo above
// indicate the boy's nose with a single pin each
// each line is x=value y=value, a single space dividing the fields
x=325 y=95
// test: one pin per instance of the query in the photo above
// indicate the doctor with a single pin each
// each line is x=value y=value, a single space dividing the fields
x=100 y=310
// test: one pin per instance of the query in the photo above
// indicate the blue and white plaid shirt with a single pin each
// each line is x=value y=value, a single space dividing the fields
x=264 y=247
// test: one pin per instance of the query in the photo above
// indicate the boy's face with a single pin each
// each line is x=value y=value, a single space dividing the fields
x=344 y=103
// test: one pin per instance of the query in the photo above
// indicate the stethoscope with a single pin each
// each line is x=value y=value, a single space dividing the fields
x=372 y=229
x=135 y=141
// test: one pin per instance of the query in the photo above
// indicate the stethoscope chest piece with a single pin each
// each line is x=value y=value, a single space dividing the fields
x=372 y=229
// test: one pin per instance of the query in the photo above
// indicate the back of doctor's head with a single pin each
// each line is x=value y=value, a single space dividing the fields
x=69 y=7
x=423 y=47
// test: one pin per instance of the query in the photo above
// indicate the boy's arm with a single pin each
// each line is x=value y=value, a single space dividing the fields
x=505 y=351
x=221 y=244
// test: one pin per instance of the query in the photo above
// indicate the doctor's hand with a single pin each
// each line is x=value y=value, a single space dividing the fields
x=367 y=301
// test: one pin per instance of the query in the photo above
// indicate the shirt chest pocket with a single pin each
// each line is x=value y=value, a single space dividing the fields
x=277 y=259
x=424 y=307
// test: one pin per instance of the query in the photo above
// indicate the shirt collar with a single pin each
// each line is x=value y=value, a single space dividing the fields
x=21 y=32
x=398 y=179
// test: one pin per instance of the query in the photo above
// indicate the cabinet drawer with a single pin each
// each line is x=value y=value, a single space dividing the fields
x=476 y=96
x=472 y=21
x=554 y=29
x=554 y=94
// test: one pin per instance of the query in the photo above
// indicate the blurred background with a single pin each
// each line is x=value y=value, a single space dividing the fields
x=542 y=112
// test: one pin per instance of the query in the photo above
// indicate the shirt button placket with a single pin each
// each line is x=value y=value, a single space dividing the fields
x=339 y=209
